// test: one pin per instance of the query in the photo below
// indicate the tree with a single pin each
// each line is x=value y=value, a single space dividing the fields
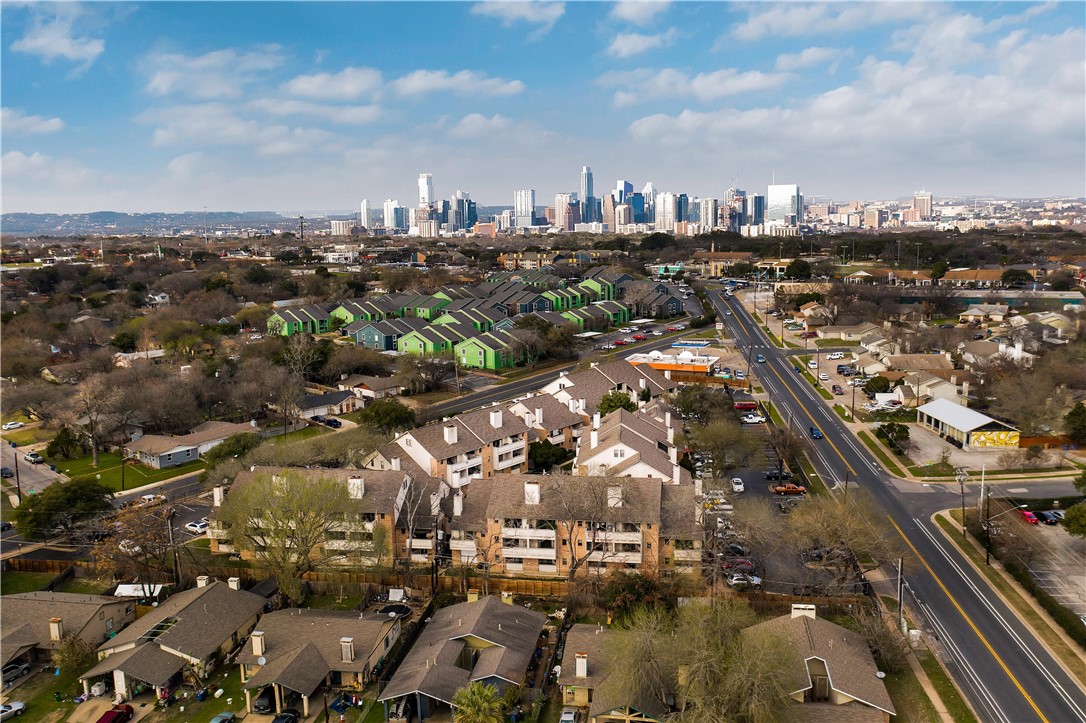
x=1080 y=482
x=1074 y=520
x=727 y=444
x=699 y=404
x=66 y=444
x=61 y=507
x=388 y=416
x=478 y=702
x=138 y=546
x=615 y=400
x=895 y=434
x=625 y=591
x=237 y=445
x=284 y=520
x=1074 y=423
x=124 y=341
x=424 y=373
x=877 y=385
x=786 y=444
x=90 y=408
x=1036 y=407
x=546 y=454
x=1015 y=277
x=74 y=654
x=798 y=269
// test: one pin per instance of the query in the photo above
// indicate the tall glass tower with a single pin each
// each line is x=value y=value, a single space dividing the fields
x=784 y=205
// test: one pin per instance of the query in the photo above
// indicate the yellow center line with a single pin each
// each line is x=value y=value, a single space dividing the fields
x=969 y=621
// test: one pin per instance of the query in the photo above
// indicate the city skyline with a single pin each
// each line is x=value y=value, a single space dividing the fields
x=178 y=106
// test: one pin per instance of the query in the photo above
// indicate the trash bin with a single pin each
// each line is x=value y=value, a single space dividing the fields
x=52 y=468
x=201 y=695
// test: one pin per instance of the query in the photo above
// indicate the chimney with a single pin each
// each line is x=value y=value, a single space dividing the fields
x=965 y=391
x=667 y=374
x=800 y=610
x=356 y=487
x=234 y=583
x=667 y=419
x=671 y=435
x=217 y=496
x=582 y=665
x=581 y=405
x=642 y=382
x=56 y=630
x=458 y=503
x=593 y=438
x=531 y=493
x=202 y=581
x=614 y=497
x=539 y=416
x=473 y=595
x=395 y=464
x=507 y=598
x=346 y=650
x=258 y=643
x=596 y=420
x=572 y=404
x=673 y=454
x=676 y=474
x=450 y=434
x=496 y=419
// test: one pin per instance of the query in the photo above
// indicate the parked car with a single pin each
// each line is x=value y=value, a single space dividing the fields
x=1047 y=518
x=6 y=472
x=319 y=419
x=789 y=489
x=118 y=714
x=620 y=342
x=1029 y=517
x=809 y=335
x=333 y=422
x=737 y=485
x=740 y=374
x=33 y=458
x=198 y=527
x=628 y=339
x=570 y=715
x=265 y=702
x=148 y=500
x=5 y=526
x=639 y=337
x=772 y=474
x=129 y=547
x=824 y=377
x=12 y=425
x=835 y=355
x=743 y=580
x=737 y=564
x=1058 y=514
x=13 y=672
x=289 y=715
x=657 y=333
x=752 y=419
x=12 y=709
x=608 y=346
x=815 y=433
x=812 y=364
x=837 y=389
x=225 y=717
x=627 y=330
x=673 y=328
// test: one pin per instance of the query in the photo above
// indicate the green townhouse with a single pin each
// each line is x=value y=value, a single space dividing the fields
x=597 y=289
x=424 y=306
x=588 y=318
x=310 y=319
x=435 y=340
x=494 y=350
x=617 y=312
x=358 y=310
x=481 y=319
x=565 y=299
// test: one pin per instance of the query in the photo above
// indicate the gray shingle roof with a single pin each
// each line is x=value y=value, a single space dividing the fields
x=147 y=662
x=26 y=615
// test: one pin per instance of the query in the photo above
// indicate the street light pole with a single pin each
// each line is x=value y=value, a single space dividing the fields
x=961 y=476
x=18 y=485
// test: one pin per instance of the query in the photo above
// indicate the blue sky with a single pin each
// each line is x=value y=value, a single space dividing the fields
x=287 y=106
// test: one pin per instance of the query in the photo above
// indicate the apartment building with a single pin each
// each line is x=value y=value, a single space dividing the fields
x=631 y=444
x=551 y=420
x=587 y=388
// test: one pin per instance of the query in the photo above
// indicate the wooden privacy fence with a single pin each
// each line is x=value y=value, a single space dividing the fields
x=53 y=567
x=1050 y=442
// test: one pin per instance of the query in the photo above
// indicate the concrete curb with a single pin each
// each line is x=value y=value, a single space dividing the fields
x=1029 y=599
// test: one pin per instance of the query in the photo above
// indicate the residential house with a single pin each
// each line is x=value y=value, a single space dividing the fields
x=586 y=667
x=162 y=451
x=370 y=388
x=493 y=350
x=984 y=352
x=983 y=313
x=918 y=277
x=563 y=299
x=481 y=319
x=152 y=356
x=358 y=309
x=617 y=313
x=973 y=278
x=382 y=335
x=474 y=444
x=36 y=623
x=630 y=444
x=298 y=651
x=435 y=340
x=482 y=641
x=179 y=642
x=600 y=288
x=309 y=319
x=588 y=318
x=869 y=276
x=854 y=332
x=587 y=388
x=157 y=299
x=918 y=362
x=836 y=678
x=551 y=420
x=528 y=259
x=327 y=404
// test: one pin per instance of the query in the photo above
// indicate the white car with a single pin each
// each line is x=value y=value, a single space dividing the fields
x=813 y=364
x=737 y=485
x=608 y=346
x=627 y=330
x=680 y=327
x=198 y=527
x=657 y=333
x=13 y=425
x=752 y=419
x=570 y=715
x=824 y=376
x=836 y=355
x=128 y=547
x=740 y=579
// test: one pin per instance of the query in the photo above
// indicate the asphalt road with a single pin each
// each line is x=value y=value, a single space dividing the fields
x=34 y=477
x=996 y=660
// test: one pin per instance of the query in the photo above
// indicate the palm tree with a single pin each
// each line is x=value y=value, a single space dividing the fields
x=477 y=703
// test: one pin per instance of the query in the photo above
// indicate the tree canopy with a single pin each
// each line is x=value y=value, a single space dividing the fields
x=61 y=507
x=615 y=400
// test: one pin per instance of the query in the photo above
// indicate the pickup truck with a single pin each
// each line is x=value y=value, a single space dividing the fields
x=118 y=714
x=789 y=489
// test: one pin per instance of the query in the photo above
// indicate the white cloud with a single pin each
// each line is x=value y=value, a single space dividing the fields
x=628 y=44
x=211 y=124
x=15 y=122
x=643 y=85
x=638 y=12
x=810 y=57
x=464 y=82
x=217 y=74
x=543 y=14
x=40 y=168
x=348 y=84
x=476 y=125
x=339 y=114
x=52 y=35
x=799 y=20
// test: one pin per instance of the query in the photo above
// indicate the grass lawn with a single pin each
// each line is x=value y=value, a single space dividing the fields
x=227 y=679
x=910 y=700
x=952 y=699
x=836 y=342
x=12 y=583
x=818 y=387
x=37 y=692
x=300 y=434
x=25 y=437
x=199 y=553
x=881 y=454
x=332 y=601
x=109 y=467
x=85 y=586
x=16 y=416
x=434 y=397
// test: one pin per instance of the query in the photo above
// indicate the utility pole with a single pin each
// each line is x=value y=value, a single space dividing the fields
x=173 y=549
x=301 y=227
x=961 y=476
x=18 y=486
x=917 y=267
x=901 y=595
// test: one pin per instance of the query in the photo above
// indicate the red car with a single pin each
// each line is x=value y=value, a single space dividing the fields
x=639 y=337
x=619 y=342
x=118 y=714
x=671 y=328
x=1028 y=516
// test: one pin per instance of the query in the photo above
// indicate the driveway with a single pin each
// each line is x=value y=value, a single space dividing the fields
x=927 y=446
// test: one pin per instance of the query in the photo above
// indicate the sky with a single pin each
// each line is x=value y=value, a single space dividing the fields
x=285 y=106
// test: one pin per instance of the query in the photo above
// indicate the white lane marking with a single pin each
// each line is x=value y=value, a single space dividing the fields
x=1002 y=622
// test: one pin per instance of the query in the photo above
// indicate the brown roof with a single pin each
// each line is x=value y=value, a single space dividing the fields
x=476 y=497
x=474 y=431
x=26 y=616
x=206 y=432
x=641 y=501
x=973 y=275
x=593 y=640
x=555 y=414
x=146 y=662
x=380 y=486
x=592 y=384
x=917 y=362
x=852 y=670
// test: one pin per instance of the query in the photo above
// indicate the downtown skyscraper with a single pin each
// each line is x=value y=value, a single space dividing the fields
x=588 y=196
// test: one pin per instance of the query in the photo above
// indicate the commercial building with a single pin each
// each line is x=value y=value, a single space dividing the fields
x=784 y=205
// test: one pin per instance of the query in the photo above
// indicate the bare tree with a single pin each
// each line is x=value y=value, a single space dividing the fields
x=138 y=544
x=786 y=444
x=90 y=408
x=728 y=444
x=300 y=354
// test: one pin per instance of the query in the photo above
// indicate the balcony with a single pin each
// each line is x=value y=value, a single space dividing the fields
x=463 y=545
x=462 y=464
x=616 y=557
x=511 y=462
x=526 y=533
x=519 y=444
x=630 y=538
x=417 y=544
x=535 y=553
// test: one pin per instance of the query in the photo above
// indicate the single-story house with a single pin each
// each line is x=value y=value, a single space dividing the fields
x=180 y=641
x=367 y=387
x=327 y=404
x=300 y=650
x=162 y=451
x=481 y=640
x=967 y=426
x=983 y=313
x=35 y=623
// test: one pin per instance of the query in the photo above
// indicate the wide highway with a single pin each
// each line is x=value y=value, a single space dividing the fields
x=996 y=660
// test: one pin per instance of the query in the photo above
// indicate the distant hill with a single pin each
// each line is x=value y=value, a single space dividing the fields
x=107 y=222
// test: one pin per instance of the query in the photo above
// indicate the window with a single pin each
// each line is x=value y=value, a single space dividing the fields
x=620 y=453
x=169 y=457
x=109 y=624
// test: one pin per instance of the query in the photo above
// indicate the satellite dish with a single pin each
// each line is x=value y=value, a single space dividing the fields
x=392 y=614
x=261 y=660
x=880 y=675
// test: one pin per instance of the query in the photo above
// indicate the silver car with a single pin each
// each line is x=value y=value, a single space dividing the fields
x=12 y=709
